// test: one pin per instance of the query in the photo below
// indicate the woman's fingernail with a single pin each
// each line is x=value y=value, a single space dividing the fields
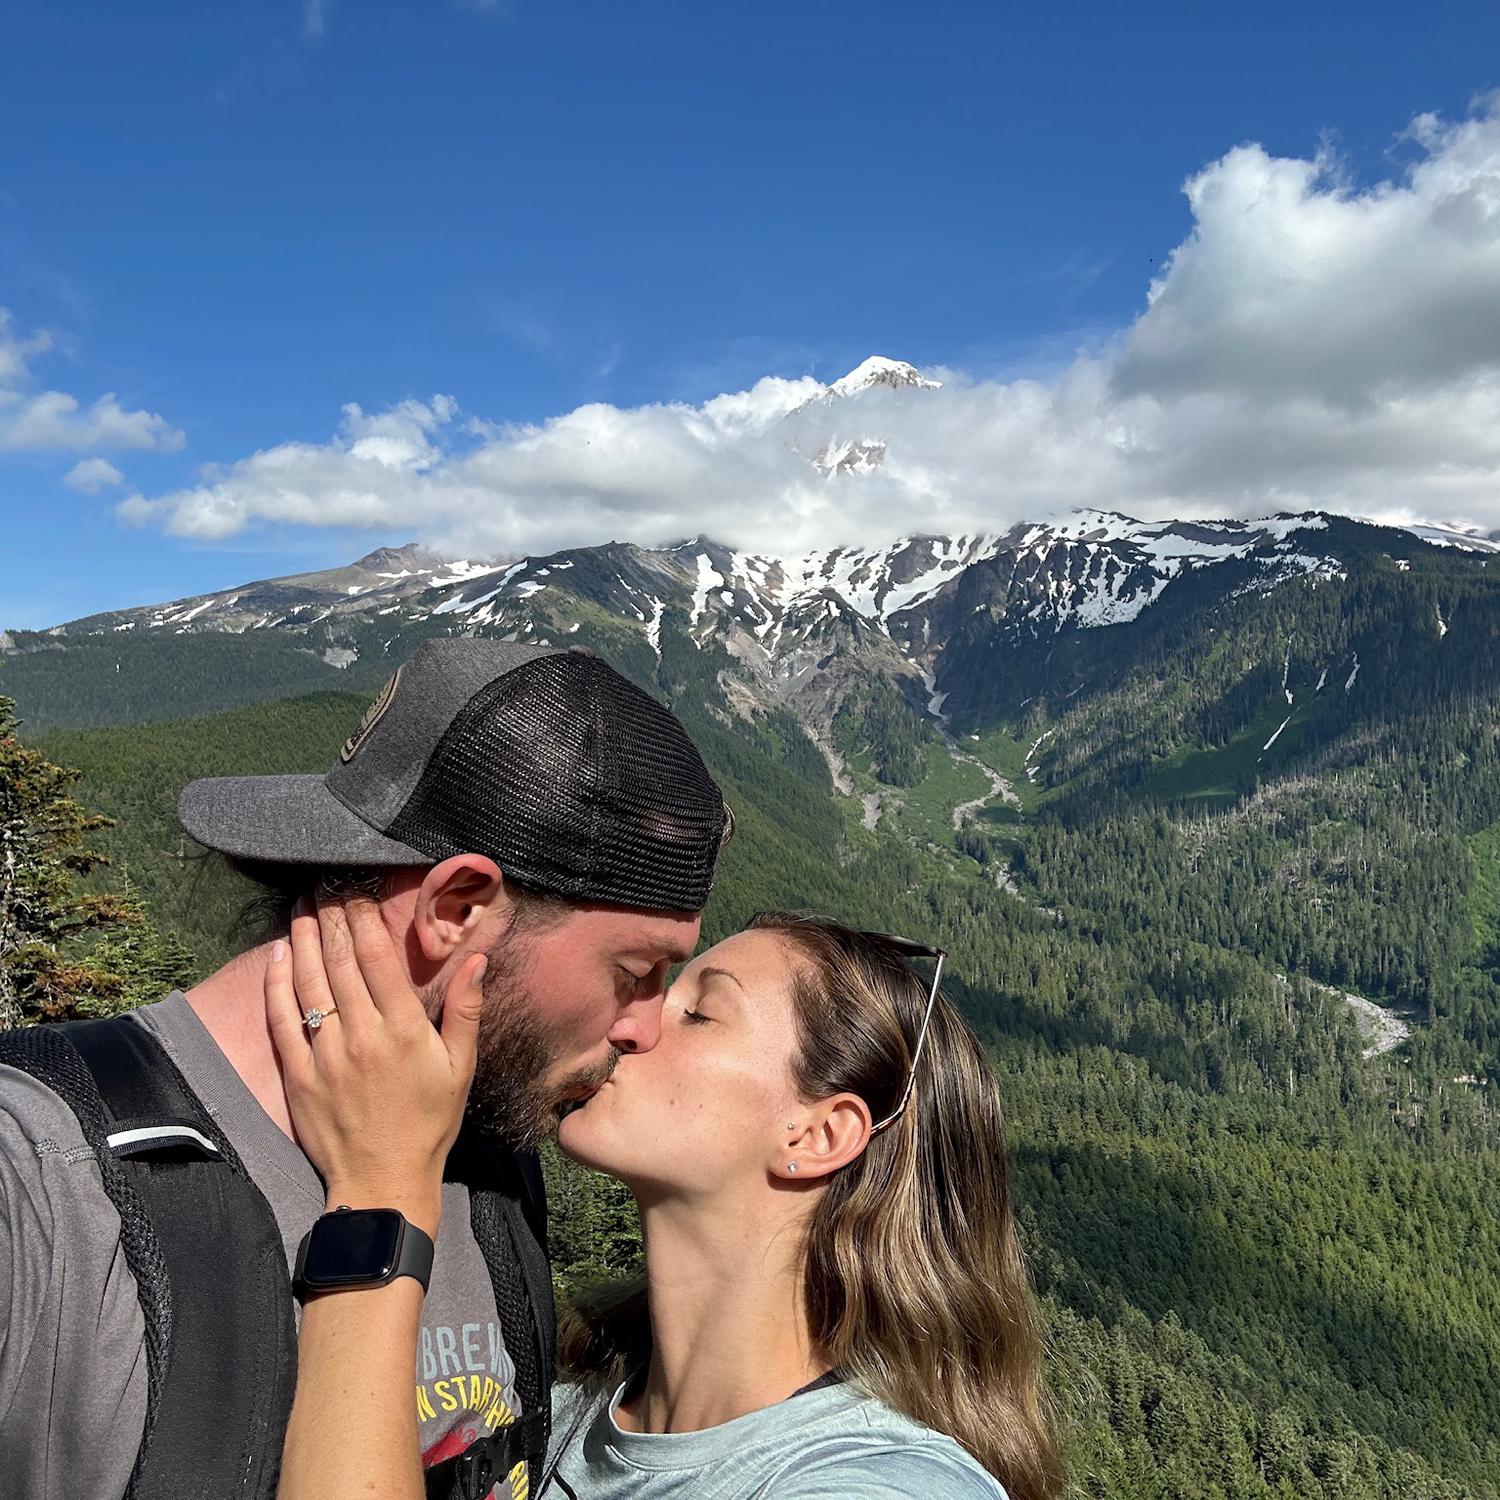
x=479 y=969
x=278 y=951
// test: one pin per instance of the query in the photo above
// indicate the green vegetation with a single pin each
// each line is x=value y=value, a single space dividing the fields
x=1484 y=894
x=927 y=810
x=133 y=774
x=1213 y=777
x=65 y=952
x=1003 y=750
x=877 y=725
x=127 y=678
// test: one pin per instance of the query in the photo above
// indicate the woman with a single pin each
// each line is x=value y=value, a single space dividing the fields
x=835 y=1303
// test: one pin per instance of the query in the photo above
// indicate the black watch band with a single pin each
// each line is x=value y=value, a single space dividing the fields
x=352 y=1248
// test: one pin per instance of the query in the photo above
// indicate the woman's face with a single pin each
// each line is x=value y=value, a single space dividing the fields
x=707 y=1108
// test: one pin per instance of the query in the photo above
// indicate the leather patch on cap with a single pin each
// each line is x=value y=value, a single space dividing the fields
x=373 y=715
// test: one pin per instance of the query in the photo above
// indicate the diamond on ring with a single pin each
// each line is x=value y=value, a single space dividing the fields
x=315 y=1018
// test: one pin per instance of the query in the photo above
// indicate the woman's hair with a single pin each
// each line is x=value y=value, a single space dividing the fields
x=915 y=1284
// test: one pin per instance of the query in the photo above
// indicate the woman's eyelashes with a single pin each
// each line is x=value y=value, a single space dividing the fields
x=695 y=1017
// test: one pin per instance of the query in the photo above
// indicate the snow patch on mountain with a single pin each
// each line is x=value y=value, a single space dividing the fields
x=1469 y=539
x=950 y=557
x=653 y=629
x=1277 y=735
x=462 y=571
x=935 y=699
x=850 y=456
x=459 y=605
x=1036 y=745
x=709 y=578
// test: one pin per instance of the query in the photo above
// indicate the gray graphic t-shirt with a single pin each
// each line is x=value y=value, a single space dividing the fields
x=72 y=1357
x=835 y=1443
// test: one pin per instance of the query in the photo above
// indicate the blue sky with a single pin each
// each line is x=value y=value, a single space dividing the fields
x=240 y=218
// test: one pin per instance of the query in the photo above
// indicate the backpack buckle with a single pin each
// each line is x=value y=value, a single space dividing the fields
x=487 y=1461
x=477 y=1467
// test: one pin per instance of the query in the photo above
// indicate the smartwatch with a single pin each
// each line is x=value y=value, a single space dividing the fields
x=360 y=1247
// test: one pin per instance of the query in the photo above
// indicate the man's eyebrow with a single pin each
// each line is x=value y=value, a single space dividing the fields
x=673 y=953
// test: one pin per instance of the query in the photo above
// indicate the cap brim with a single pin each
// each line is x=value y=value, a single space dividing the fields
x=292 y=820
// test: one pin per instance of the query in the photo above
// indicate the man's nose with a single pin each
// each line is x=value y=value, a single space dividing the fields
x=638 y=1026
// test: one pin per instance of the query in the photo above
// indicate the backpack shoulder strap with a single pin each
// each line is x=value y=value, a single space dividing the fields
x=508 y=1216
x=528 y=1197
x=205 y=1251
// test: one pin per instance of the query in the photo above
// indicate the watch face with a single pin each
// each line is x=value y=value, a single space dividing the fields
x=352 y=1246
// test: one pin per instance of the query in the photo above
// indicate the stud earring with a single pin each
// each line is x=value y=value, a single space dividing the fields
x=791 y=1166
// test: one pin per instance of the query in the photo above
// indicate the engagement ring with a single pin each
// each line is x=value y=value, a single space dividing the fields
x=315 y=1017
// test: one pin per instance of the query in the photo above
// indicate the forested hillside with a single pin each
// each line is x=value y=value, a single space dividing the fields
x=1270 y=1261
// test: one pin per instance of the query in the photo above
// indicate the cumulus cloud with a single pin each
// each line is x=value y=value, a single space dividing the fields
x=42 y=420
x=91 y=475
x=1312 y=343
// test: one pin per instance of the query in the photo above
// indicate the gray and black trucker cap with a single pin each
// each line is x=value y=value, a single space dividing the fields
x=549 y=762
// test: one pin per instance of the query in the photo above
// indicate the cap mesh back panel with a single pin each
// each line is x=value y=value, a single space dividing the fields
x=572 y=779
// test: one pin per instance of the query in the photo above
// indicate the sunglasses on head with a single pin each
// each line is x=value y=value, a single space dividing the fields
x=909 y=948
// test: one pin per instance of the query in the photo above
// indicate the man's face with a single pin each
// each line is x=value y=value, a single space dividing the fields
x=563 y=999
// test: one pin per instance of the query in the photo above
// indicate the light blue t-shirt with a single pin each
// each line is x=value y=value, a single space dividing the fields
x=835 y=1443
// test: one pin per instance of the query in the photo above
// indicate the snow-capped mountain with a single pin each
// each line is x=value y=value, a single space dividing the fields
x=865 y=452
x=1089 y=568
x=893 y=374
x=933 y=614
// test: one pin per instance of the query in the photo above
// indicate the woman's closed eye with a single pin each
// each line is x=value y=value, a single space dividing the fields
x=695 y=1017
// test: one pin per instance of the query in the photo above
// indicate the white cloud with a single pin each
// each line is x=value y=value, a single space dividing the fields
x=1311 y=343
x=45 y=420
x=54 y=419
x=90 y=475
x=17 y=352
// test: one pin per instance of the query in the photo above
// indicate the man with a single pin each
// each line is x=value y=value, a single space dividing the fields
x=526 y=803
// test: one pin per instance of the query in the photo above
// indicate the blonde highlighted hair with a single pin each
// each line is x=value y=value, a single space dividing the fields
x=915 y=1284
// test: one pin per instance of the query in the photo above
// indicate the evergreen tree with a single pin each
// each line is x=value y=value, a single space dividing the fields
x=147 y=962
x=45 y=972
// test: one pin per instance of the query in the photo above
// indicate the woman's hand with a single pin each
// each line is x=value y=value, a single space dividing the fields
x=377 y=1092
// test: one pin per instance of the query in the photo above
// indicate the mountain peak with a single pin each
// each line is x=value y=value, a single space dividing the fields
x=877 y=370
x=409 y=555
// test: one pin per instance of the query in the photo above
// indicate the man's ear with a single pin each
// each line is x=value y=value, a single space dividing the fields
x=827 y=1136
x=455 y=897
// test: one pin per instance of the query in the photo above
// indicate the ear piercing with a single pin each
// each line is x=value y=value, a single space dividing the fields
x=791 y=1166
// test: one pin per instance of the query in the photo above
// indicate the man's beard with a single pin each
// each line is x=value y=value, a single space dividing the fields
x=513 y=1096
